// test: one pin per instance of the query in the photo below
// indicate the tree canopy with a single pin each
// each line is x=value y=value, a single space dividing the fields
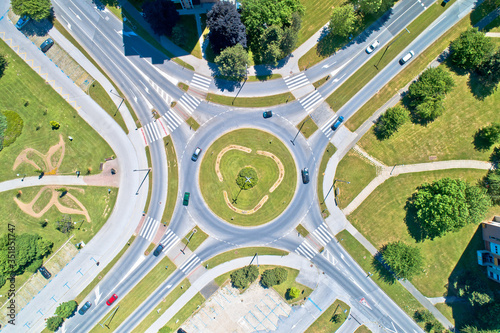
x=470 y=49
x=232 y=62
x=490 y=69
x=447 y=205
x=66 y=309
x=370 y=6
x=53 y=323
x=487 y=136
x=343 y=20
x=3 y=64
x=389 y=122
x=272 y=277
x=240 y=278
x=35 y=9
x=404 y=260
x=492 y=184
x=161 y=15
x=292 y=293
x=226 y=28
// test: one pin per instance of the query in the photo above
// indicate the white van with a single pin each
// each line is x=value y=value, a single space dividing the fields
x=407 y=57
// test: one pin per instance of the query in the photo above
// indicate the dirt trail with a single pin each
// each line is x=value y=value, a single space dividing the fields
x=281 y=168
x=222 y=152
x=245 y=212
x=46 y=158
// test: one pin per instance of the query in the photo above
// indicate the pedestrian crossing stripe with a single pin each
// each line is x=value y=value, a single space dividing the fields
x=326 y=129
x=149 y=228
x=200 y=82
x=169 y=240
x=306 y=250
x=322 y=234
x=189 y=103
x=172 y=120
x=310 y=101
x=297 y=81
x=190 y=264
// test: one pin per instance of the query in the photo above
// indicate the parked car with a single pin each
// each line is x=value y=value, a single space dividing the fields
x=185 y=202
x=158 y=250
x=372 y=46
x=22 y=22
x=305 y=175
x=45 y=273
x=84 y=308
x=407 y=57
x=267 y=114
x=337 y=124
x=46 y=45
x=112 y=299
x=180 y=330
x=196 y=153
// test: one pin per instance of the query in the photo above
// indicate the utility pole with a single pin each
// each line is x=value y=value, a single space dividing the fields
x=302 y=125
x=376 y=66
x=148 y=171
x=111 y=91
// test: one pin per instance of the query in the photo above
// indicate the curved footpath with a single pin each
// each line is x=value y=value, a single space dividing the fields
x=128 y=208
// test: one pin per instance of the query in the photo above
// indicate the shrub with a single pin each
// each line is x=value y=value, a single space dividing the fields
x=32 y=268
x=55 y=125
x=423 y=316
x=292 y=293
x=66 y=309
x=53 y=323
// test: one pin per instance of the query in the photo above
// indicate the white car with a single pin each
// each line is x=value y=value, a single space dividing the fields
x=372 y=46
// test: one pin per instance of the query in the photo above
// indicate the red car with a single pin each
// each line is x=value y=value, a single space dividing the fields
x=112 y=299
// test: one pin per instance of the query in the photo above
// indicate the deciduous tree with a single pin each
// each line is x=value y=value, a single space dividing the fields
x=470 y=49
x=292 y=293
x=492 y=184
x=487 y=136
x=240 y=278
x=232 y=62
x=161 y=15
x=3 y=64
x=343 y=20
x=35 y=9
x=226 y=28
x=490 y=70
x=404 y=260
x=391 y=121
x=272 y=277
x=53 y=323
x=66 y=309
x=370 y=6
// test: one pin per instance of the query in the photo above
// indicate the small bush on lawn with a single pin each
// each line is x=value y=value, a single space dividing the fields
x=292 y=293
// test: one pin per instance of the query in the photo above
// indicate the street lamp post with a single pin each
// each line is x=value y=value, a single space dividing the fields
x=302 y=125
x=376 y=66
x=111 y=91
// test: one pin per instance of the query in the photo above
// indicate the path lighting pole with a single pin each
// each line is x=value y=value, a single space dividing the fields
x=148 y=170
x=333 y=185
x=111 y=91
x=189 y=239
x=302 y=125
x=246 y=78
x=255 y=256
x=376 y=66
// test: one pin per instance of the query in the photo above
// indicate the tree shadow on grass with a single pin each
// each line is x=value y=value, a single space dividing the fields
x=479 y=88
x=383 y=270
x=414 y=228
x=481 y=141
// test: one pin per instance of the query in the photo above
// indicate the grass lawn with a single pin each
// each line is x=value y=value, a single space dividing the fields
x=190 y=42
x=96 y=200
x=384 y=210
x=253 y=78
x=137 y=295
x=325 y=323
x=80 y=298
x=317 y=14
x=173 y=180
x=364 y=74
x=395 y=291
x=329 y=151
x=243 y=252
x=251 y=102
x=289 y=283
x=301 y=230
x=307 y=128
x=23 y=91
x=185 y=312
x=232 y=162
x=446 y=138
x=101 y=97
x=196 y=240
x=320 y=82
x=358 y=171
x=162 y=307
x=183 y=86
x=363 y=329
x=150 y=179
x=193 y=123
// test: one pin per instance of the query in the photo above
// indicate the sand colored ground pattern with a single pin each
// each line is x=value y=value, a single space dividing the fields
x=245 y=212
x=54 y=201
x=48 y=168
x=222 y=152
x=281 y=168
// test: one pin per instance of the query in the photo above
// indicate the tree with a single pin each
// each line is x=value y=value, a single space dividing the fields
x=179 y=35
x=35 y=9
x=404 y=260
x=487 y=136
x=271 y=41
x=292 y=293
x=427 y=93
x=65 y=225
x=161 y=15
x=291 y=35
x=240 y=278
x=495 y=157
x=423 y=316
x=446 y=205
x=479 y=298
x=53 y=323
x=66 y=309
x=226 y=28
x=492 y=184
x=233 y=62
x=343 y=20
x=489 y=315
x=338 y=318
x=391 y=121
x=272 y=277
x=3 y=64
x=470 y=49
x=490 y=70
x=472 y=329
x=370 y=6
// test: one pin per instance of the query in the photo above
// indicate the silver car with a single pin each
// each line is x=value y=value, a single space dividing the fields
x=372 y=46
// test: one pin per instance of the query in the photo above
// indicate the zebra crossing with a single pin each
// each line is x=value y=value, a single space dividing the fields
x=326 y=128
x=153 y=131
x=322 y=234
x=328 y=256
x=297 y=81
x=311 y=100
x=161 y=92
x=307 y=250
x=172 y=120
x=190 y=264
x=189 y=103
x=149 y=228
x=169 y=240
x=200 y=82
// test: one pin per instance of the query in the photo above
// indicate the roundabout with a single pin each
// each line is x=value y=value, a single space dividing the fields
x=247 y=177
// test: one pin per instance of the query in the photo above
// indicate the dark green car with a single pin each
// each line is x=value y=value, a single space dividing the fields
x=185 y=202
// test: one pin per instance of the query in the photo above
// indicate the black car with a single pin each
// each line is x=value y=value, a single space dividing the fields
x=84 y=308
x=180 y=330
x=157 y=252
x=305 y=175
x=46 y=45
x=45 y=273
x=267 y=114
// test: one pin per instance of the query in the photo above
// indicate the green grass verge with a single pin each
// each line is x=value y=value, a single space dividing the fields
x=483 y=10
x=320 y=82
x=289 y=283
x=150 y=179
x=101 y=97
x=329 y=151
x=96 y=200
x=317 y=14
x=232 y=162
x=364 y=74
x=446 y=138
x=69 y=37
x=187 y=310
x=385 y=207
x=80 y=298
x=162 y=307
x=301 y=230
x=259 y=78
x=363 y=329
x=23 y=91
x=307 y=127
x=183 y=86
x=402 y=297
x=356 y=170
x=137 y=295
x=251 y=102
x=173 y=180
x=14 y=127
x=243 y=252
x=191 y=38
x=325 y=323
x=150 y=249
x=193 y=123
x=196 y=240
